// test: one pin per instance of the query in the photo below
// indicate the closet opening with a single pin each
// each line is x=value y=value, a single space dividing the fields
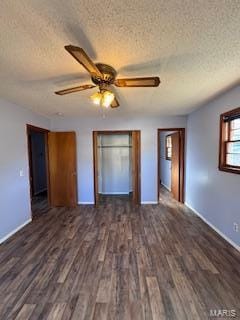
x=116 y=165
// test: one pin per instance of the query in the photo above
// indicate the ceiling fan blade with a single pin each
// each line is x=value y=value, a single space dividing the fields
x=138 y=82
x=80 y=55
x=115 y=103
x=75 y=89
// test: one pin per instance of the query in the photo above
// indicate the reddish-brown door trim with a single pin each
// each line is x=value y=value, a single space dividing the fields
x=30 y=128
x=95 y=167
x=95 y=161
x=136 y=166
x=182 y=160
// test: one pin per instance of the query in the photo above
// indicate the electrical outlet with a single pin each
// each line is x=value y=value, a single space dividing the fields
x=235 y=227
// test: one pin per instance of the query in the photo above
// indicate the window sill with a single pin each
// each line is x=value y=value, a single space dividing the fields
x=229 y=169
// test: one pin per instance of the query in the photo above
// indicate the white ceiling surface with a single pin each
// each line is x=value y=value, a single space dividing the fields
x=192 y=45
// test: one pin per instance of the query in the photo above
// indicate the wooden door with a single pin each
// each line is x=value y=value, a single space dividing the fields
x=136 y=166
x=62 y=169
x=175 y=171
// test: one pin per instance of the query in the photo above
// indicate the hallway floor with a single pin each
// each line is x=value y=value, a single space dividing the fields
x=118 y=262
x=39 y=204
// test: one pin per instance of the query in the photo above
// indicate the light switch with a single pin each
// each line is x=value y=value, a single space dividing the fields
x=21 y=174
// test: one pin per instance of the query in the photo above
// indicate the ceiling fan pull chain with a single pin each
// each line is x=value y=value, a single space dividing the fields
x=103 y=112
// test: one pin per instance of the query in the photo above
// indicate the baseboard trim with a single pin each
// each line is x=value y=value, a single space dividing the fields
x=114 y=193
x=85 y=202
x=166 y=187
x=149 y=202
x=15 y=230
x=213 y=227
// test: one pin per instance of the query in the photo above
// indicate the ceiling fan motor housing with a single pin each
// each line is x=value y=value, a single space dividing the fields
x=108 y=72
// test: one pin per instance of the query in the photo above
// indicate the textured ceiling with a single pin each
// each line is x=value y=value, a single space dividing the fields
x=192 y=45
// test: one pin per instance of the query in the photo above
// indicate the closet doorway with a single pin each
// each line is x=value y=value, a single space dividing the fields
x=116 y=164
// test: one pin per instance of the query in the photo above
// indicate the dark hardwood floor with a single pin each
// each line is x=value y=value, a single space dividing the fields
x=118 y=262
x=39 y=204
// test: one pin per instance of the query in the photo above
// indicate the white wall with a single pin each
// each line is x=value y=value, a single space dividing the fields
x=165 y=165
x=214 y=194
x=15 y=192
x=148 y=127
x=114 y=154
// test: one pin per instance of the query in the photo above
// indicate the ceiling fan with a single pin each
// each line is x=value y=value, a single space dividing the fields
x=103 y=76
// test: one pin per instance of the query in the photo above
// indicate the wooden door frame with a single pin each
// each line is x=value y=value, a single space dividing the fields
x=30 y=128
x=182 y=161
x=95 y=159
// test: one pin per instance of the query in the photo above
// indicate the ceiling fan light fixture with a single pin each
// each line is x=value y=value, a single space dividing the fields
x=96 y=98
x=107 y=99
x=103 y=98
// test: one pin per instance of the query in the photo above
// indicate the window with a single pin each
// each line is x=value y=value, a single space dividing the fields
x=168 y=143
x=229 y=155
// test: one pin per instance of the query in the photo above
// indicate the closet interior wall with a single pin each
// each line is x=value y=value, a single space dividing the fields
x=115 y=163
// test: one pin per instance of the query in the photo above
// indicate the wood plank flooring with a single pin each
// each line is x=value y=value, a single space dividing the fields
x=118 y=262
x=39 y=205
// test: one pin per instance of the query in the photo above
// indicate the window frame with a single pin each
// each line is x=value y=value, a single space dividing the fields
x=166 y=147
x=225 y=131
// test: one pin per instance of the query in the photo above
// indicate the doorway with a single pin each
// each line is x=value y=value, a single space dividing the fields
x=116 y=165
x=38 y=169
x=52 y=169
x=171 y=151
